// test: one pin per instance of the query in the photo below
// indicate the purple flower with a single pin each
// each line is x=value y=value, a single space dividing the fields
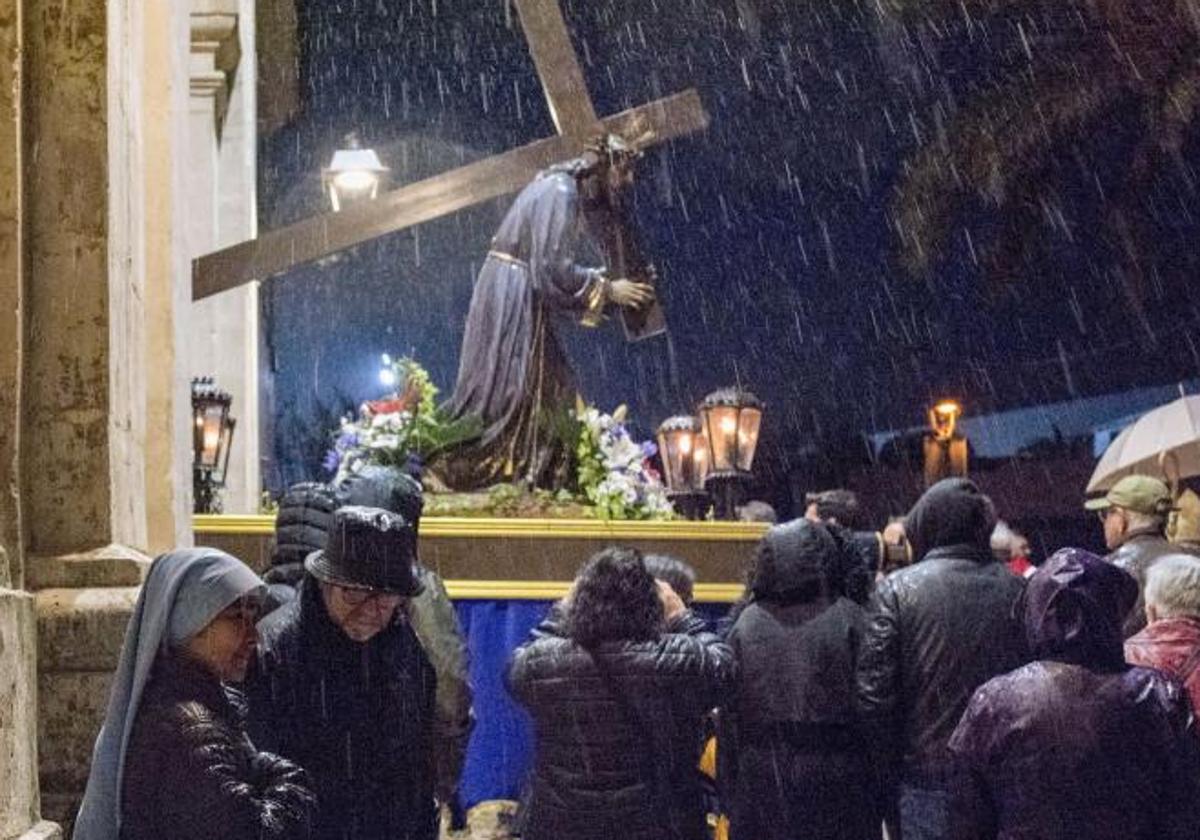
x=332 y=461
x=346 y=440
x=649 y=450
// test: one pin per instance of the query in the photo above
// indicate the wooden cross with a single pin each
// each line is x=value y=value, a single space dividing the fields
x=574 y=118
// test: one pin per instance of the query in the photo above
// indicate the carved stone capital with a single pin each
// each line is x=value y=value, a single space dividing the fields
x=215 y=53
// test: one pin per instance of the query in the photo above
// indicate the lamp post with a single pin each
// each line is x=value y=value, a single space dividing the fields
x=730 y=419
x=685 y=464
x=353 y=175
x=946 y=450
x=212 y=439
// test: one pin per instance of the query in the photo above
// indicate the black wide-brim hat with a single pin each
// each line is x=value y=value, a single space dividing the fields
x=368 y=548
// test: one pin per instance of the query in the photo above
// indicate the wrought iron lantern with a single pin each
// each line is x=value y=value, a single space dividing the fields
x=353 y=175
x=684 y=452
x=212 y=440
x=730 y=419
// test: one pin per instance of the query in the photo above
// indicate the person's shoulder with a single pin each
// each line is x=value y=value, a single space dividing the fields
x=1156 y=686
x=549 y=652
x=278 y=634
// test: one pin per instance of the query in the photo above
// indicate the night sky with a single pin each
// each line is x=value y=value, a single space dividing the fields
x=778 y=232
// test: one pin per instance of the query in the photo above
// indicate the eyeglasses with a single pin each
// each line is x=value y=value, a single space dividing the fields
x=361 y=597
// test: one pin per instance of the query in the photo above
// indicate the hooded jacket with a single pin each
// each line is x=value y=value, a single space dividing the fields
x=936 y=631
x=791 y=754
x=1077 y=743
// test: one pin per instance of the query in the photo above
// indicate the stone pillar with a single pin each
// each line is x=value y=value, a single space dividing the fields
x=222 y=150
x=100 y=426
x=11 y=296
x=168 y=281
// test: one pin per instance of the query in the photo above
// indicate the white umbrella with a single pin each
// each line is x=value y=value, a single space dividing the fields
x=1164 y=443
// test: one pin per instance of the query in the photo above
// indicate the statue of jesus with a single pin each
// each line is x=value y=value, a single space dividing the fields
x=513 y=376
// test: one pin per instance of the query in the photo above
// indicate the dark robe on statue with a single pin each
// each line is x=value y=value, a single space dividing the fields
x=512 y=373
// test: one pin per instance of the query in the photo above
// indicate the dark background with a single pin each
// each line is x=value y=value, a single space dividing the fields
x=775 y=231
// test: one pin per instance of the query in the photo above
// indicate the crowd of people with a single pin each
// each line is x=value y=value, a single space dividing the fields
x=925 y=682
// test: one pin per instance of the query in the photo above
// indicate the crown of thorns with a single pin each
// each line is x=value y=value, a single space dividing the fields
x=614 y=147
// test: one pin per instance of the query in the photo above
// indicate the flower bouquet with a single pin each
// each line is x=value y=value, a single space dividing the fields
x=398 y=429
x=614 y=470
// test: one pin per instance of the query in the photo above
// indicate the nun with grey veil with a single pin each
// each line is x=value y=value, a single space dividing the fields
x=172 y=759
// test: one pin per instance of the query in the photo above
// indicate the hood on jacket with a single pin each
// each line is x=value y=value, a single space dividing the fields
x=951 y=512
x=798 y=561
x=1074 y=606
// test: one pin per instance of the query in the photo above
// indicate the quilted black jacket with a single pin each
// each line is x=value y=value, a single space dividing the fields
x=617 y=732
x=192 y=774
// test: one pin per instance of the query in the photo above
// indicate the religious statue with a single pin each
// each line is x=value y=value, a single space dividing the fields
x=513 y=375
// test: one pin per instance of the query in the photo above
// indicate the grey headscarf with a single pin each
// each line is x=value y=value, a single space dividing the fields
x=184 y=591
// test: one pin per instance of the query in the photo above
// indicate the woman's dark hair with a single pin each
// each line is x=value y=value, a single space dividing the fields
x=615 y=599
x=674 y=571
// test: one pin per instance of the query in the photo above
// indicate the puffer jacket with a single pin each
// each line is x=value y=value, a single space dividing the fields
x=357 y=717
x=936 y=631
x=617 y=732
x=1077 y=743
x=191 y=773
x=1136 y=555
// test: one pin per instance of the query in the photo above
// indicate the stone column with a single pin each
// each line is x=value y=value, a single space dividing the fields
x=168 y=280
x=20 y=802
x=98 y=433
x=223 y=333
x=11 y=295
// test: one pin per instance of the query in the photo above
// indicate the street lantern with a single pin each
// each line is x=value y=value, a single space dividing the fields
x=946 y=451
x=685 y=464
x=943 y=418
x=730 y=418
x=353 y=175
x=212 y=440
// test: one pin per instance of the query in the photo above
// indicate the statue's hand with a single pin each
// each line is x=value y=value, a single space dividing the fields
x=631 y=295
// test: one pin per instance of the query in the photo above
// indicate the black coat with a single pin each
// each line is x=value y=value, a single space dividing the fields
x=191 y=773
x=936 y=631
x=792 y=760
x=617 y=732
x=358 y=717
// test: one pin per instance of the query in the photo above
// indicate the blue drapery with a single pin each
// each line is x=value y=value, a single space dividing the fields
x=501 y=749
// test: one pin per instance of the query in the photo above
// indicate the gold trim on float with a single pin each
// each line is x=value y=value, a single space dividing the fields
x=479 y=527
x=552 y=590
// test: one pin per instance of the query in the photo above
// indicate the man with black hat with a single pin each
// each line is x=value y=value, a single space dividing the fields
x=343 y=688
x=433 y=619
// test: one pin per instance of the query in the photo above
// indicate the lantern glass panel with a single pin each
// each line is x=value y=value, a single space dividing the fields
x=699 y=461
x=749 y=421
x=676 y=446
x=225 y=447
x=721 y=426
x=211 y=427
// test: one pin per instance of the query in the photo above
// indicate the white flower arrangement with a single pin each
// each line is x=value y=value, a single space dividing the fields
x=614 y=470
